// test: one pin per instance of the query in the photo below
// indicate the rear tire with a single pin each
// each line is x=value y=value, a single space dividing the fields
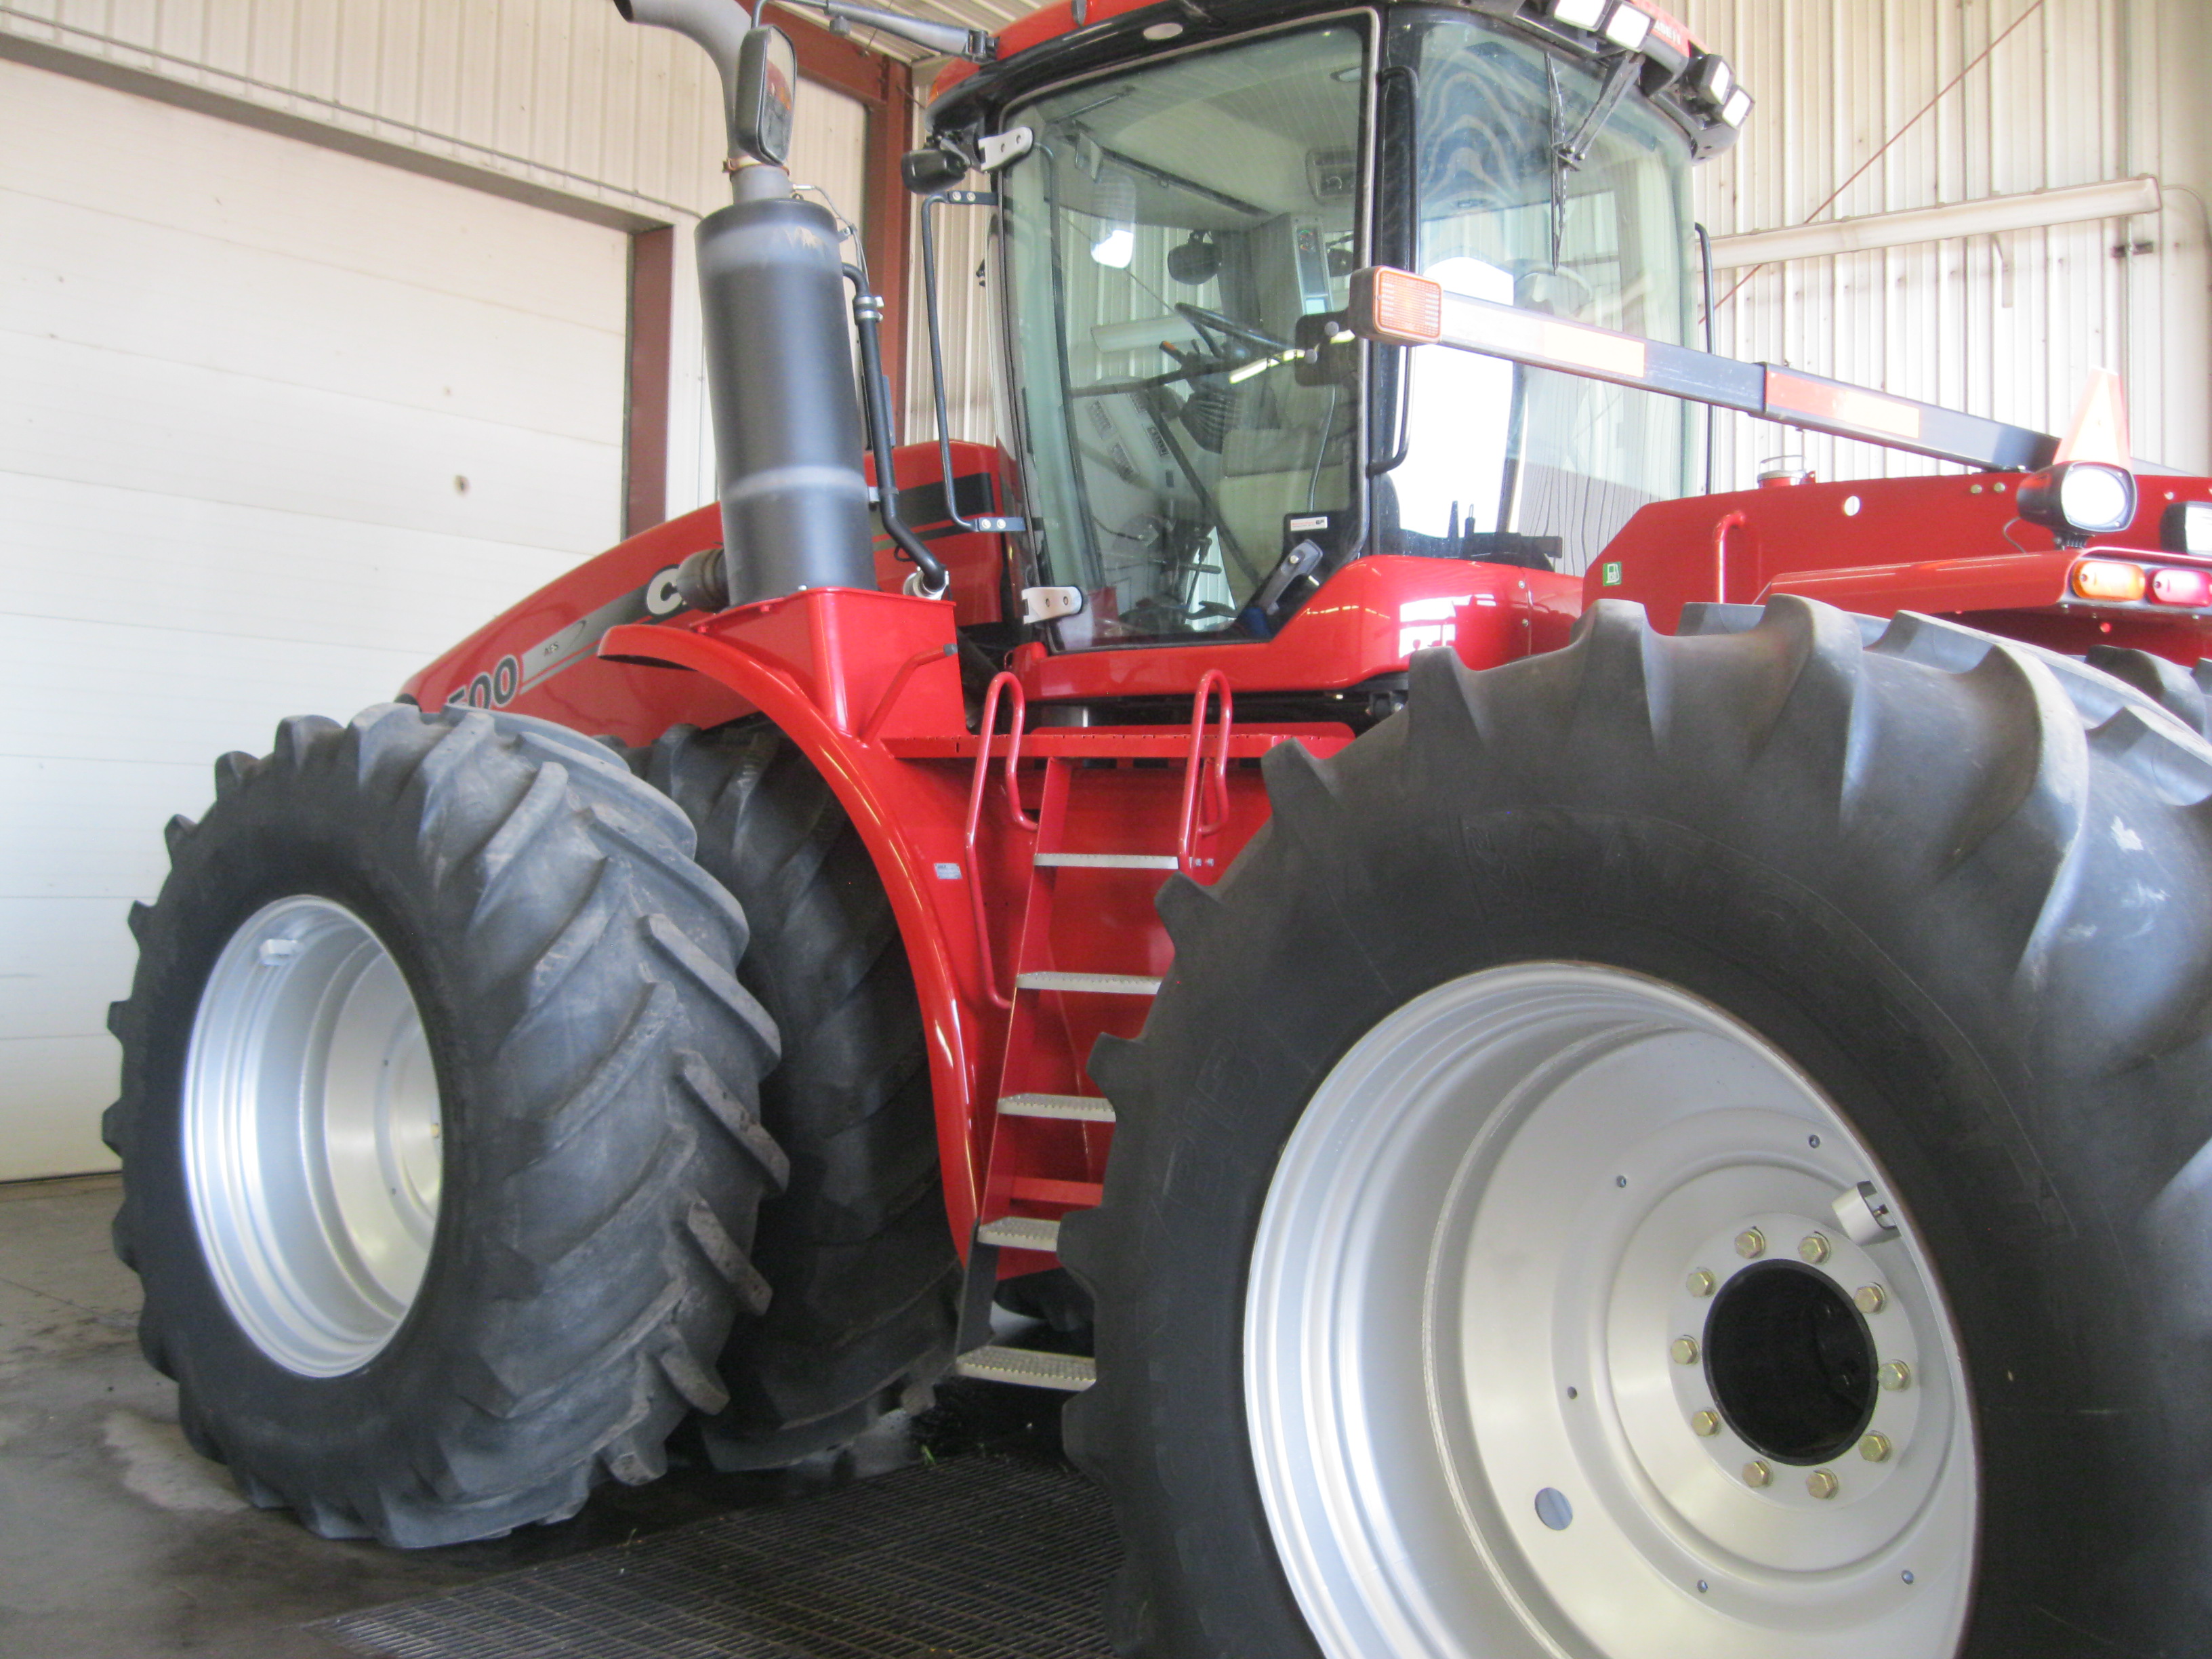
x=1388 y=1307
x=857 y=1246
x=439 y=1156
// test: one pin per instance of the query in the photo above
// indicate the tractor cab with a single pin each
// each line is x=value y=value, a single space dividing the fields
x=1201 y=438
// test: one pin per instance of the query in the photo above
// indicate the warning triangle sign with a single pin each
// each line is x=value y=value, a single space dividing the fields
x=2100 y=432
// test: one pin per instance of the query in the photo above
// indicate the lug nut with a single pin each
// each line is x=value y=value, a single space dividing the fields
x=1822 y=1483
x=1875 y=1448
x=1685 y=1351
x=1751 y=1243
x=1701 y=1283
x=1814 y=1248
x=1707 y=1423
x=1756 y=1474
x=1869 y=1298
x=1896 y=1374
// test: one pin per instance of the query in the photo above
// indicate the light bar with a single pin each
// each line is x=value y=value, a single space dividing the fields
x=1398 y=309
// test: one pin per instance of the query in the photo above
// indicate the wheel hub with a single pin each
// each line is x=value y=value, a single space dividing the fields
x=1556 y=1343
x=311 y=1132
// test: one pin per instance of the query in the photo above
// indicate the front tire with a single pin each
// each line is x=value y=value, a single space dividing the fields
x=1471 y=1275
x=441 y=1161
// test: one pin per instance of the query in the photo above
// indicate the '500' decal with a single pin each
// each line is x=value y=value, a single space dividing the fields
x=512 y=675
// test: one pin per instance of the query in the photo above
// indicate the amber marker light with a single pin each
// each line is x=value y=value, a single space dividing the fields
x=1396 y=306
x=2108 y=579
x=2190 y=587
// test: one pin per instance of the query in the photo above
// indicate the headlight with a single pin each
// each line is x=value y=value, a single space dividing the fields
x=2079 y=499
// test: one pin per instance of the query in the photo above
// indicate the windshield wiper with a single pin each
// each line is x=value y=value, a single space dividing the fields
x=1568 y=154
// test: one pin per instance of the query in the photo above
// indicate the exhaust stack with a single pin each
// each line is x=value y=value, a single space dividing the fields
x=779 y=372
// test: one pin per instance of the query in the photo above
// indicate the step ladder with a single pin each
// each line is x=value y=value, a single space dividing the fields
x=1045 y=1142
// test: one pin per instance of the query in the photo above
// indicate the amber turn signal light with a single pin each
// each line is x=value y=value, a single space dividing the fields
x=1396 y=306
x=2109 y=579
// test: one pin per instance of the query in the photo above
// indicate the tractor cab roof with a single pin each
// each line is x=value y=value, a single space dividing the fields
x=1073 y=37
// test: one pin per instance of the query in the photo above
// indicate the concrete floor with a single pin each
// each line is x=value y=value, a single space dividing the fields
x=117 y=1541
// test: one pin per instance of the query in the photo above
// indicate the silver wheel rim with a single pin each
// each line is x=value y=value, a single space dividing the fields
x=1474 y=1432
x=311 y=1132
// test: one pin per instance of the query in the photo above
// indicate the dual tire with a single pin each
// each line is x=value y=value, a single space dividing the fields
x=442 y=1127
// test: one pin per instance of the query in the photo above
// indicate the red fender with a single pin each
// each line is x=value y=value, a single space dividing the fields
x=842 y=672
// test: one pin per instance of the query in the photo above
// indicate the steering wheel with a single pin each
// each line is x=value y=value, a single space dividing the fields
x=1212 y=324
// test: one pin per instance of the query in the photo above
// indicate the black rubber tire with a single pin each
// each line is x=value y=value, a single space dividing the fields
x=2185 y=693
x=597 y=1063
x=1963 y=884
x=857 y=1245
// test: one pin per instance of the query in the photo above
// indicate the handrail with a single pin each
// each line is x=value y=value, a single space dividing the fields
x=985 y=731
x=1192 y=823
x=1729 y=521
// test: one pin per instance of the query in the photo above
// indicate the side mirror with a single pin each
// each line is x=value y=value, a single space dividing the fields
x=762 y=94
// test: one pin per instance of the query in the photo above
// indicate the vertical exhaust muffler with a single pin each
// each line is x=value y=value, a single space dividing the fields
x=780 y=379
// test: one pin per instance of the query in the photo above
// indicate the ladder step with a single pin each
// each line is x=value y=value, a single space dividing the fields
x=1074 y=1373
x=1020 y=1232
x=1121 y=985
x=1080 y=1109
x=1107 y=861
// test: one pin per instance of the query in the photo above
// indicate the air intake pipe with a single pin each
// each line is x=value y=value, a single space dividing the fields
x=779 y=371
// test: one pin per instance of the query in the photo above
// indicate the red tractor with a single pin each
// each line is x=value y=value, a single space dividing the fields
x=1577 y=1127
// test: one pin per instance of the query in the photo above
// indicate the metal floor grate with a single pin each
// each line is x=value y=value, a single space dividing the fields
x=975 y=1558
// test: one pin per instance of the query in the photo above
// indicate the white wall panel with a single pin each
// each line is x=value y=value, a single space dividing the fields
x=245 y=378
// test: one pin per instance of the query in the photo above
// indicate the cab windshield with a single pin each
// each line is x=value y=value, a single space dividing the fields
x=1532 y=466
x=1200 y=441
x=1174 y=239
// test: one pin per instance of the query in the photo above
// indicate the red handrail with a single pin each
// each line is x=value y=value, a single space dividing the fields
x=1192 y=824
x=1729 y=521
x=985 y=731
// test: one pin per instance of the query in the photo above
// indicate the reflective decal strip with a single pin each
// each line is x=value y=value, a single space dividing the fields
x=1844 y=406
x=1392 y=307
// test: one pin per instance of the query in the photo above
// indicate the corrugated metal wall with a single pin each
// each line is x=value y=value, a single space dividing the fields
x=557 y=92
x=2079 y=91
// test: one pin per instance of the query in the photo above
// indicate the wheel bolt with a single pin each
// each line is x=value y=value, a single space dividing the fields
x=1707 y=1423
x=1874 y=1448
x=1871 y=1298
x=1751 y=1243
x=1814 y=1248
x=1756 y=1474
x=1822 y=1483
x=1896 y=1374
x=1701 y=1283
x=1685 y=1351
